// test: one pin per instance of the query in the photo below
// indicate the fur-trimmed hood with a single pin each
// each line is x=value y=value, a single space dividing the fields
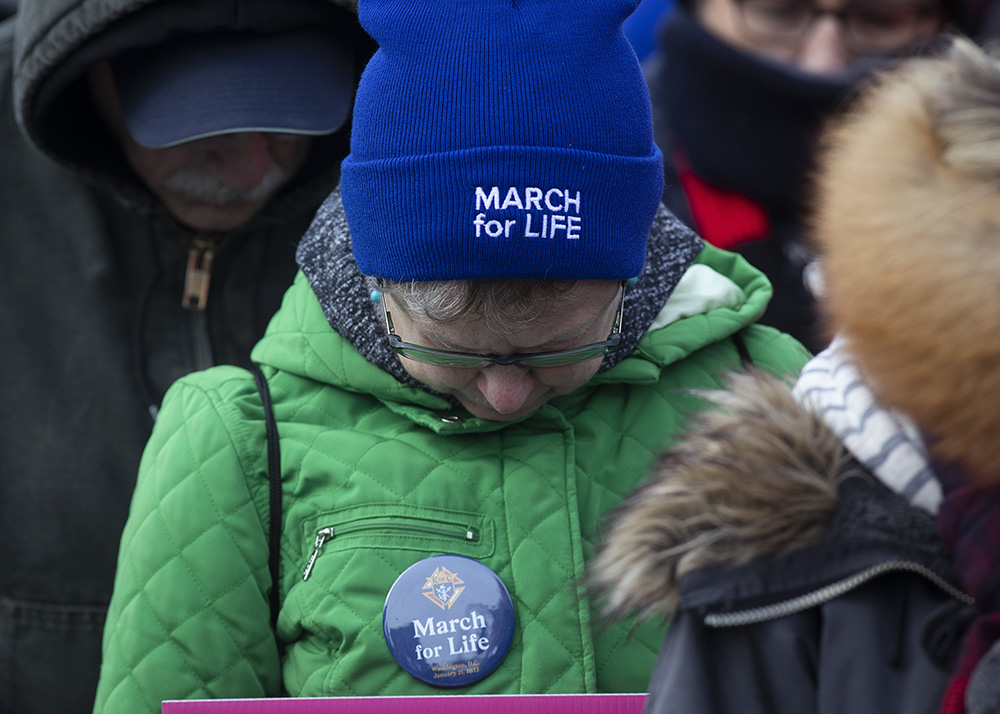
x=757 y=478
x=908 y=222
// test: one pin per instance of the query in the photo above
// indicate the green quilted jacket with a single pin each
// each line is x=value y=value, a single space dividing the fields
x=405 y=472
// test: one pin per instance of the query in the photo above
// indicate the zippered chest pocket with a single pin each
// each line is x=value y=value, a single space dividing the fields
x=395 y=527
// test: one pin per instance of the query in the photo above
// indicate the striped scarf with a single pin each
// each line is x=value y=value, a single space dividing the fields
x=968 y=516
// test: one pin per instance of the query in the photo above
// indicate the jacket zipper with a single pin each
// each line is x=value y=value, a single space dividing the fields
x=197 y=279
x=829 y=592
x=198 y=274
x=325 y=535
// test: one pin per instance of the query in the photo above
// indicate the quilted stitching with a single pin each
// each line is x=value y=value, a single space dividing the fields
x=189 y=615
x=183 y=610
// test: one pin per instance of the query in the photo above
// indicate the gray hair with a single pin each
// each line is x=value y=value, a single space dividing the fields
x=507 y=306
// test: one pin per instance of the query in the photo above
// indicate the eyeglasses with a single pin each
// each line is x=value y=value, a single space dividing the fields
x=469 y=360
x=869 y=27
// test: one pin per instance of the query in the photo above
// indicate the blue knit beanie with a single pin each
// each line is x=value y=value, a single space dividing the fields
x=501 y=139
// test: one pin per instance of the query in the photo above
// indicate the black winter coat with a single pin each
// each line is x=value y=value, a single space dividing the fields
x=92 y=330
x=798 y=583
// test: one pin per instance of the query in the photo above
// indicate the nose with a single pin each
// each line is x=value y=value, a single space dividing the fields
x=241 y=160
x=824 y=50
x=506 y=387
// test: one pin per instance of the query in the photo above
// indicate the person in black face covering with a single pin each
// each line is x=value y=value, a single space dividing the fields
x=739 y=90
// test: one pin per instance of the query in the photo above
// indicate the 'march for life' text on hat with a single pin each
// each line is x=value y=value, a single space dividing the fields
x=544 y=213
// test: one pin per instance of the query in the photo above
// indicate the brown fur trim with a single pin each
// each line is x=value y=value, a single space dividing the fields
x=908 y=220
x=758 y=476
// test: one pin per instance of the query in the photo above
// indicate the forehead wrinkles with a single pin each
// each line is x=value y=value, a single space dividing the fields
x=508 y=307
x=558 y=328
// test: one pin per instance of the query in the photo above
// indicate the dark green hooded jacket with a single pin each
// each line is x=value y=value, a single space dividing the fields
x=93 y=331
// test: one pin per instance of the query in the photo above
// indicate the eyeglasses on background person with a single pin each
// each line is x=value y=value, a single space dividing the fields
x=868 y=27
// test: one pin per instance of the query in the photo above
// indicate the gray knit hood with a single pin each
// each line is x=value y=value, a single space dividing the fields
x=56 y=41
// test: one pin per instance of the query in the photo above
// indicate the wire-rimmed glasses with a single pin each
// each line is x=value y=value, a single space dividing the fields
x=536 y=360
x=869 y=27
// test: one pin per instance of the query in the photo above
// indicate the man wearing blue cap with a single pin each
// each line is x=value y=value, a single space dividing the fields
x=216 y=124
x=160 y=161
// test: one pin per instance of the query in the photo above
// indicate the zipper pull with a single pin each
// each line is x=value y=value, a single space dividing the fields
x=198 y=274
x=322 y=537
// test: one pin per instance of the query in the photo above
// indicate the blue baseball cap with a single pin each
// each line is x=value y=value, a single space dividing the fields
x=195 y=86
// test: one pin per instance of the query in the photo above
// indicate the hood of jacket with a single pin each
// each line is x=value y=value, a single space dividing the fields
x=56 y=41
x=761 y=488
x=328 y=329
x=907 y=222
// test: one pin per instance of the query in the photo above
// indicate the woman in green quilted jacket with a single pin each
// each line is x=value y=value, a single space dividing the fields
x=495 y=329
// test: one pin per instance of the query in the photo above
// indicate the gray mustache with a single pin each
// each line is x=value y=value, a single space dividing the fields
x=203 y=185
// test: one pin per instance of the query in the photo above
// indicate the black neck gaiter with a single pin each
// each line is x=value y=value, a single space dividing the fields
x=746 y=124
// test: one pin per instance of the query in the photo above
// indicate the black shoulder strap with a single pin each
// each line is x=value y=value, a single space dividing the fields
x=274 y=478
x=741 y=349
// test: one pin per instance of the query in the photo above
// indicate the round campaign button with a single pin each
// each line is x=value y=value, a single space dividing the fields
x=448 y=620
